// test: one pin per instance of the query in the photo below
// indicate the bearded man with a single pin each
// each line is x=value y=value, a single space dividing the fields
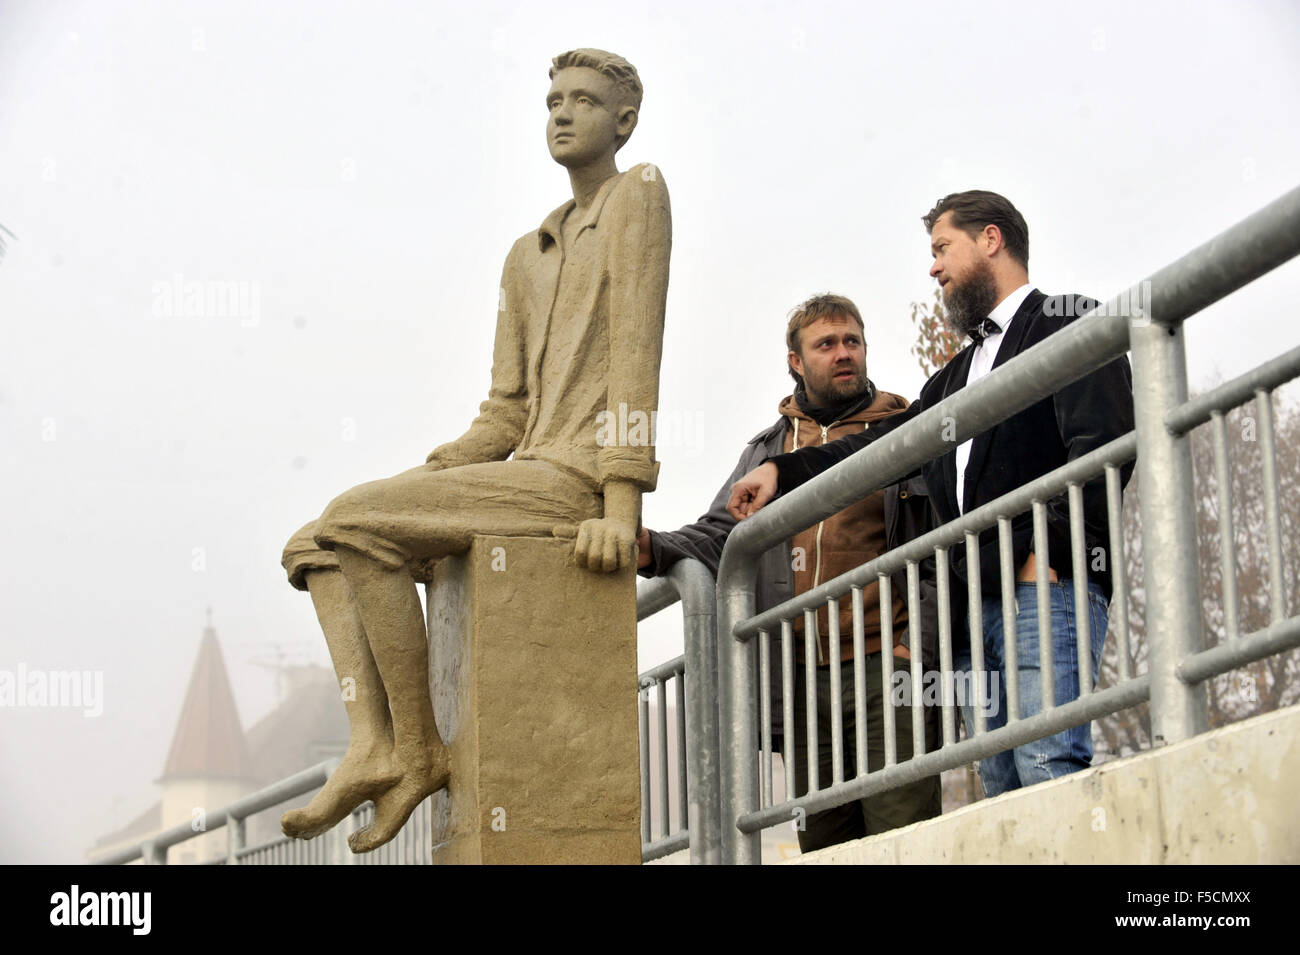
x=980 y=245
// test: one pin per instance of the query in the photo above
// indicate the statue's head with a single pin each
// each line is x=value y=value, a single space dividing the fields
x=593 y=105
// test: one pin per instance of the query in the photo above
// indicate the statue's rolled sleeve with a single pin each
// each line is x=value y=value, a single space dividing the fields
x=302 y=554
x=639 y=233
x=499 y=427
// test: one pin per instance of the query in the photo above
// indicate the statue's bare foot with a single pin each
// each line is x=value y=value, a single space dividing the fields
x=360 y=776
x=394 y=807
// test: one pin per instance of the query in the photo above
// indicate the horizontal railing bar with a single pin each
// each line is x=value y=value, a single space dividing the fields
x=1234 y=258
x=1075 y=713
x=665 y=846
x=242 y=808
x=1230 y=394
x=1274 y=638
x=1120 y=451
x=664 y=671
x=653 y=595
x=287 y=788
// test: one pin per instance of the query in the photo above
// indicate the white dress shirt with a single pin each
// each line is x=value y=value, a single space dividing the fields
x=986 y=353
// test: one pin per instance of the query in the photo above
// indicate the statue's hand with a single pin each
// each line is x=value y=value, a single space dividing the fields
x=606 y=544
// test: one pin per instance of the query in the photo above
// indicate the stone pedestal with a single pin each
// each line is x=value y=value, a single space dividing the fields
x=533 y=674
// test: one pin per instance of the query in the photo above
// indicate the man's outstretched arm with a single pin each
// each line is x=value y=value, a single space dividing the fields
x=785 y=472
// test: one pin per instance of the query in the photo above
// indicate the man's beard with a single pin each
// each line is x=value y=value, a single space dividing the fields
x=966 y=305
x=831 y=391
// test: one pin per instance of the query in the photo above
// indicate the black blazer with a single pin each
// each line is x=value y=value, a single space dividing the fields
x=1079 y=418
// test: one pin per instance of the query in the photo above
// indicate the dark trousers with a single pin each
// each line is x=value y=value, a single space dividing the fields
x=875 y=814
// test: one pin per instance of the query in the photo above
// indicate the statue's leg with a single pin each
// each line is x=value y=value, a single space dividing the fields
x=390 y=606
x=367 y=768
x=373 y=532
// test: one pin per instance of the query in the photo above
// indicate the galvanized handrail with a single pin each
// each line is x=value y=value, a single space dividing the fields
x=697 y=728
x=1239 y=255
x=1019 y=730
x=154 y=849
x=412 y=844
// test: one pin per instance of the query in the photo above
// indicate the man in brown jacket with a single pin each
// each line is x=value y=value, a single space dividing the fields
x=833 y=397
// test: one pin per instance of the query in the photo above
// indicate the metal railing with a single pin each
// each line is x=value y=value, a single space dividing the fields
x=694 y=677
x=413 y=844
x=1178 y=663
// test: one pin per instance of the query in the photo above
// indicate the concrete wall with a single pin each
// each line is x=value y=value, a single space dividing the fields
x=1229 y=796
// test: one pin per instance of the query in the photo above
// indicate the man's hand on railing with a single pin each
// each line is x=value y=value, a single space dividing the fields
x=643 y=548
x=750 y=493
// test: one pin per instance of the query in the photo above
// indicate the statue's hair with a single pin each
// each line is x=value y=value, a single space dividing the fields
x=612 y=65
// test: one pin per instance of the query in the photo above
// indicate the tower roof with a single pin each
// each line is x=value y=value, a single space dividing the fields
x=209 y=740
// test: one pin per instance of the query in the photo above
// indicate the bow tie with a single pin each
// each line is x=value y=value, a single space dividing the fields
x=986 y=328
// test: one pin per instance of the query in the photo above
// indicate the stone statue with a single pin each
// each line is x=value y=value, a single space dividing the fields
x=578 y=338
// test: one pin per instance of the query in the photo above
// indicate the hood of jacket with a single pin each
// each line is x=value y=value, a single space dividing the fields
x=887 y=403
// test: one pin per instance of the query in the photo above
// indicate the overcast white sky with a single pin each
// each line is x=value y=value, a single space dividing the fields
x=364 y=168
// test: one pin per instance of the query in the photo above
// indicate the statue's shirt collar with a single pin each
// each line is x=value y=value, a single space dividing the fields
x=549 y=231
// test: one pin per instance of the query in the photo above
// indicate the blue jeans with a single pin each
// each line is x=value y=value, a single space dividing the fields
x=1054 y=756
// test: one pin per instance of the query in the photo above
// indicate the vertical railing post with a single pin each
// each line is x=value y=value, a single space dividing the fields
x=738 y=707
x=1169 y=552
x=342 y=853
x=234 y=839
x=699 y=608
x=151 y=854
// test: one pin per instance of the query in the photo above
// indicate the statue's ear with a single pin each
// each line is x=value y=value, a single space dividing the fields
x=627 y=117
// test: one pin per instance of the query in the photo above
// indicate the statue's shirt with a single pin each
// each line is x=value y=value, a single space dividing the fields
x=575 y=365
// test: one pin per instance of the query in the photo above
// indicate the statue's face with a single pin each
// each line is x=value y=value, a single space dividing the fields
x=586 y=118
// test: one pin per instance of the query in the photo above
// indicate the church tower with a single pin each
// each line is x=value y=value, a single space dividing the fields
x=208 y=765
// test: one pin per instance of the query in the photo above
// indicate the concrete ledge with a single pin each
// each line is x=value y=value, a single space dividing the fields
x=1225 y=797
